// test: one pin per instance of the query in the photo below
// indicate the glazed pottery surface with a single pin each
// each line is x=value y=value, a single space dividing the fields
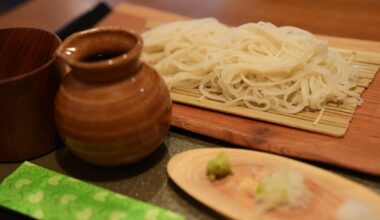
x=29 y=78
x=110 y=109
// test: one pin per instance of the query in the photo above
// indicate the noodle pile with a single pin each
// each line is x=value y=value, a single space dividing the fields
x=256 y=65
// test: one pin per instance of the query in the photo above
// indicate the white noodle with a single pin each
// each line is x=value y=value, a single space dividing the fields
x=257 y=65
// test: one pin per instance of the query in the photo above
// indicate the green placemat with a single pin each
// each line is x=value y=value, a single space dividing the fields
x=45 y=194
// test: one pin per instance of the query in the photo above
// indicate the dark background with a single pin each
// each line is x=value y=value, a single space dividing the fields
x=6 y=5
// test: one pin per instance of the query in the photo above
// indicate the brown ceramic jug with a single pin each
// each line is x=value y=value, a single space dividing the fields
x=111 y=109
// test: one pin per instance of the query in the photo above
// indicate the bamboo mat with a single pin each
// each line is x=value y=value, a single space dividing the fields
x=334 y=120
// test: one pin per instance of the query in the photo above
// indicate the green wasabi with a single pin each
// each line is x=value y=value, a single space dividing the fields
x=219 y=167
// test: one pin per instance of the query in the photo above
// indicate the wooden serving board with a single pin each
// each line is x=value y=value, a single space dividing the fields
x=359 y=149
x=234 y=195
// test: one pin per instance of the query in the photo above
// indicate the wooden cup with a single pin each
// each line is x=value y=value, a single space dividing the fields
x=29 y=78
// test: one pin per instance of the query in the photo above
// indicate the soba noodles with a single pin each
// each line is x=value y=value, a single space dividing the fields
x=256 y=65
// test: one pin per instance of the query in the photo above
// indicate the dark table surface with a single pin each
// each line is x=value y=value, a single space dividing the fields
x=147 y=180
